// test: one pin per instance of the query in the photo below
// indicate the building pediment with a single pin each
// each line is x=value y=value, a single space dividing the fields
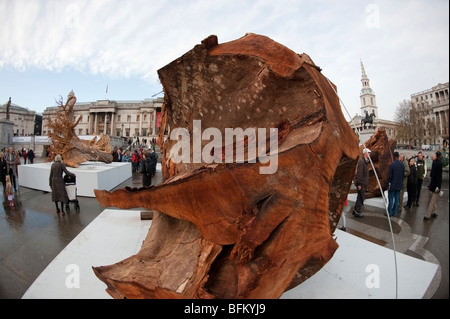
x=440 y=86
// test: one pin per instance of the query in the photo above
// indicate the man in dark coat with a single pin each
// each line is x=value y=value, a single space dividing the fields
x=56 y=182
x=30 y=156
x=394 y=184
x=421 y=173
x=361 y=182
x=146 y=169
x=435 y=185
x=411 y=186
x=154 y=158
x=3 y=170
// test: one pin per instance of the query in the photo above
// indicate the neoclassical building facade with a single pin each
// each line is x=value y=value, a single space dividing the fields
x=24 y=119
x=432 y=106
x=129 y=119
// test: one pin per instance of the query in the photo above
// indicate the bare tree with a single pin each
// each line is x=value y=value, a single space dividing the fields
x=403 y=117
x=417 y=126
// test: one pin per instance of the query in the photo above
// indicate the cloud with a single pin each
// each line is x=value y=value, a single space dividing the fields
x=397 y=40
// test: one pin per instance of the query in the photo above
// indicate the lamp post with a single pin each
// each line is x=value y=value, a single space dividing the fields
x=122 y=129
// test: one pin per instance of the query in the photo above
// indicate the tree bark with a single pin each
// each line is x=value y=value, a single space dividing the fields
x=65 y=141
x=225 y=229
x=382 y=149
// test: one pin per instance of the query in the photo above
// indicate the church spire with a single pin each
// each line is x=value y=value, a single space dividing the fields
x=367 y=95
x=364 y=78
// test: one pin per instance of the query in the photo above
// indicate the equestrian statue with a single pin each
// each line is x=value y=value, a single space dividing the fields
x=368 y=118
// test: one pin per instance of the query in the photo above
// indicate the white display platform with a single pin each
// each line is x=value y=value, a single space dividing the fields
x=90 y=176
x=117 y=234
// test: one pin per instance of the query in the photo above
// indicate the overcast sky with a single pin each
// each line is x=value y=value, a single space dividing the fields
x=48 y=48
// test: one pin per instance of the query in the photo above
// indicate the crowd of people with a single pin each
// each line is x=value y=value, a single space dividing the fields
x=405 y=174
x=10 y=159
x=142 y=161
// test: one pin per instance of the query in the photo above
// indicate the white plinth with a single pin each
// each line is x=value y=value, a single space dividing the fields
x=117 y=234
x=90 y=176
x=361 y=269
x=111 y=237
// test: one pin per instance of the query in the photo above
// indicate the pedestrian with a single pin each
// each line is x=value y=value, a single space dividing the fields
x=141 y=156
x=421 y=174
x=125 y=157
x=403 y=159
x=3 y=170
x=135 y=159
x=24 y=155
x=361 y=182
x=411 y=185
x=435 y=185
x=9 y=191
x=146 y=169
x=11 y=166
x=394 y=184
x=18 y=162
x=56 y=182
x=31 y=156
x=154 y=158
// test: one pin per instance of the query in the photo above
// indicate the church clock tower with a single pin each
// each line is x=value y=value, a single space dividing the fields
x=367 y=96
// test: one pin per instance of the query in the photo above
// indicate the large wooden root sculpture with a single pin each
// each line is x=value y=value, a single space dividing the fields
x=65 y=142
x=382 y=155
x=233 y=228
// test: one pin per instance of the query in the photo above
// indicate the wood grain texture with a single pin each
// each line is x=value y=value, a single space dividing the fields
x=224 y=230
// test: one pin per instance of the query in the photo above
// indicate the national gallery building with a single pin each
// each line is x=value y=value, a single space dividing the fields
x=114 y=118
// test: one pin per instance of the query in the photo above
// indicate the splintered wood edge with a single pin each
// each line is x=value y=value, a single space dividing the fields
x=146 y=215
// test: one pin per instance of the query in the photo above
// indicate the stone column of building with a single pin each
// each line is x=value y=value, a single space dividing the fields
x=141 y=114
x=444 y=122
x=95 y=123
x=90 y=124
x=113 y=125
x=446 y=119
x=149 y=123
x=105 y=127
x=153 y=117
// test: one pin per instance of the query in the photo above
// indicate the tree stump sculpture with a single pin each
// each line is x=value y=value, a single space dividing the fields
x=73 y=150
x=382 y=155
x=232 y=227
